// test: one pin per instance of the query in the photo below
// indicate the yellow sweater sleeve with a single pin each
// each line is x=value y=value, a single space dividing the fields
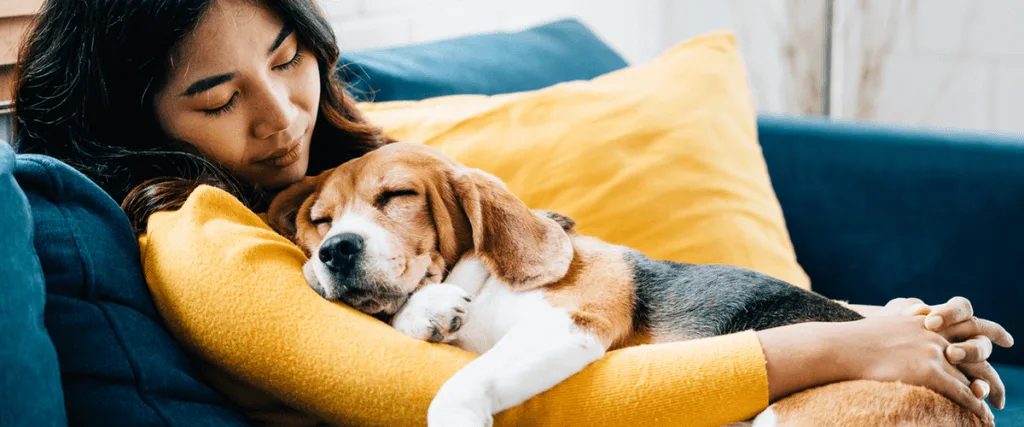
x=232 y=291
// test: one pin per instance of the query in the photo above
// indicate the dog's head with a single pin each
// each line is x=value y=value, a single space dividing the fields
x=378 y=227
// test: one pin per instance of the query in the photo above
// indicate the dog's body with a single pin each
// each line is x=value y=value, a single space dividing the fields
x=536 y=299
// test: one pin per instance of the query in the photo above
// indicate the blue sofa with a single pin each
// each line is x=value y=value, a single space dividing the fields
x=874 y=213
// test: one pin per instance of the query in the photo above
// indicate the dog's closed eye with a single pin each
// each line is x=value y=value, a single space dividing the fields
x=387 y=195
x=320 y=220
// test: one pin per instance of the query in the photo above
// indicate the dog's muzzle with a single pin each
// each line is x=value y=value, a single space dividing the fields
x=341 y=252
x=344 y=257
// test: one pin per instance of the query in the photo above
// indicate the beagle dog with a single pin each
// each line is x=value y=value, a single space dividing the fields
x=446 y=253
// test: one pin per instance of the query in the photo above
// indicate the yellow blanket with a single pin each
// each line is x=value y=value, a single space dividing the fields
x=232 y=291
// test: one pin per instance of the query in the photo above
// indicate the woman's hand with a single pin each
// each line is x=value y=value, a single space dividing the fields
x=900 y=348
x=970 y=340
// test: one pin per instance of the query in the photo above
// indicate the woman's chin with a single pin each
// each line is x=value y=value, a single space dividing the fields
x=284 y=176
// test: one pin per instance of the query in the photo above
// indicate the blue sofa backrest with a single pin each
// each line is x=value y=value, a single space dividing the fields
x=878 y=212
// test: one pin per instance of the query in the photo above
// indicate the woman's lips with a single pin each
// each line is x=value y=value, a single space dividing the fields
x=283 y=159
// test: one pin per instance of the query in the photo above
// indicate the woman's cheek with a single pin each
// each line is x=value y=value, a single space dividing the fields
x=310 y=85
x=224 y=140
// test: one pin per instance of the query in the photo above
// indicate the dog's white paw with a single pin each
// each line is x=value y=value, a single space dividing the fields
x=453 y=415
x=434 y=313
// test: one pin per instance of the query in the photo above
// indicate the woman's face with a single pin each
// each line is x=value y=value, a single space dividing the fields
x=244 y=93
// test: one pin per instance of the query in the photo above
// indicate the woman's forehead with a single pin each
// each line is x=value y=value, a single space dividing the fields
x=230 y=36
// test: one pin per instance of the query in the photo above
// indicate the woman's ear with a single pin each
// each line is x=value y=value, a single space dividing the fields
x=523 y=248
x=283 y=210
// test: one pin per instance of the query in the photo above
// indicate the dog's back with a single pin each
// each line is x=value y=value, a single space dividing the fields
x=678 y=301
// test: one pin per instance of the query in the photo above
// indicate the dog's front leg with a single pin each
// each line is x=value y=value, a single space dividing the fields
x=531 y=358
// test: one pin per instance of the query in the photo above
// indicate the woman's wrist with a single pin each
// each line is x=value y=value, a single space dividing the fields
x=802 y=356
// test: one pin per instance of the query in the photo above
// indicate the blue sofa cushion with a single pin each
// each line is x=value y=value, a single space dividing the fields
x=484 y=64
x=877 y=212
x=118 y=364
x=1013 y=377
x=30 y=390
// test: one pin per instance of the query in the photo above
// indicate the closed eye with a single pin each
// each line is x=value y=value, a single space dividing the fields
x=386 y=196
x=318 y=221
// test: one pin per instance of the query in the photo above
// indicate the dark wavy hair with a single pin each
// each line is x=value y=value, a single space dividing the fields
x=86 y=80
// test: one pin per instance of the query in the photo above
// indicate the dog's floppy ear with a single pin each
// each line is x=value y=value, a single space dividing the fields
x=523 y=248
x=283 y=209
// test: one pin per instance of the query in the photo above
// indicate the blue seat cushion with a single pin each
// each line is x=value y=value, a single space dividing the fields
x=1013 y=377
x=118 y=364
x=30 y=390
x=483 y=64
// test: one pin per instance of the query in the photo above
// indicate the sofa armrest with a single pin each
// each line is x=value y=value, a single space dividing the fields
x=878 y=212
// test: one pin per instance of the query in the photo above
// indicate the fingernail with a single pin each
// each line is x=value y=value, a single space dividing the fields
x=933 y=322
x=957 y=354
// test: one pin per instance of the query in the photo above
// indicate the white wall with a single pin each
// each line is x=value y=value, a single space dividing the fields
x=632 y=27
x=949 y=63
x=939 y=63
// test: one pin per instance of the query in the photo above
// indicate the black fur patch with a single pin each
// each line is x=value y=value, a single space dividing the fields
x=562 y=220
x=678 y=301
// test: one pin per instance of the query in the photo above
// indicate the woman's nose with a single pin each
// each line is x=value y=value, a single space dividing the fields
x=274 y=111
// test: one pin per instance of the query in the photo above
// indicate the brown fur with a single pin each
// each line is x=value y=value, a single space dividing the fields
x=871 y=403
x=598 y=291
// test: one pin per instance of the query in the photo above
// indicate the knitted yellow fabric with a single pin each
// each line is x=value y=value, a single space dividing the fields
x=232 y=291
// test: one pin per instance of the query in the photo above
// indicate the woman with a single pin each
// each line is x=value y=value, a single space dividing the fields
x=152 y=98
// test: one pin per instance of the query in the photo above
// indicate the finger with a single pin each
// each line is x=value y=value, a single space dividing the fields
x=901 y=303
x=907 y=301
x=977 y=349
x=957 y=374
x=980 y=389
x=956 y=310
x=961 y=394
x=985 y=372
x=917 y=309
x=974 y=327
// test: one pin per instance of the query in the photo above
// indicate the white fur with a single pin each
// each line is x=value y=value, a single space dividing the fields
x=767 y=418
x=527 y=346
x=432 y=309
x=376 y=240
x=534 y=355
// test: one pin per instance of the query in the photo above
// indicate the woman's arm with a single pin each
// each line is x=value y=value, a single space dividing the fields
x=232 y=291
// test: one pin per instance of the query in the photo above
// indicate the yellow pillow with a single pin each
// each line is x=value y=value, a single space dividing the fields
x=662 y=157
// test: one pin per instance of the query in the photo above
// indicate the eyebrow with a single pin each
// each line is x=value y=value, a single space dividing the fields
x=207 y=84
x=285 y=32
x=211 y=82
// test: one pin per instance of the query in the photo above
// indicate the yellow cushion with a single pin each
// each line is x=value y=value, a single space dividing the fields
x=662 y=157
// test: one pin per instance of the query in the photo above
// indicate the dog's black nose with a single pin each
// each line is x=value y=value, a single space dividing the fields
x=340 y=251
